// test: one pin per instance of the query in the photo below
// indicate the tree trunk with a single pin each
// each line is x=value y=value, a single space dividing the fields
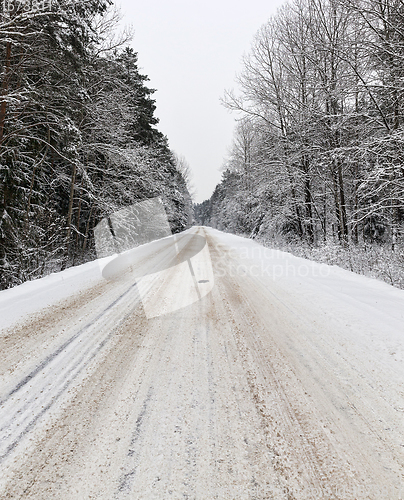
x=337 y=202
x=78 y=219
x=344 y=223
x=70 y=214
x=6 y=80
x=308 y=200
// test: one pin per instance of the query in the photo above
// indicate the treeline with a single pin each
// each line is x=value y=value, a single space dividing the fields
x=318 y=152
x=78 y=136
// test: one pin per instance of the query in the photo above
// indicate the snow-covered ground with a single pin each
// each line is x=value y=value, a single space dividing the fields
x=272 y=377
x=33 y=296
x=376 y=308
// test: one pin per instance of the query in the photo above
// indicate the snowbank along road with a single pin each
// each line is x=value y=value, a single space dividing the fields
x=204 y=371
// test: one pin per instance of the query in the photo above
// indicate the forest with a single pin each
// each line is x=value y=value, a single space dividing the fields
x=317 y=161
x=78 y=136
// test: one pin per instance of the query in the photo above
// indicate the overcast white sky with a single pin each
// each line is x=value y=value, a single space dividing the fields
x=191 y=50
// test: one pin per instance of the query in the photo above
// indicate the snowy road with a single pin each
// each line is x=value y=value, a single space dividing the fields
x=272 y=378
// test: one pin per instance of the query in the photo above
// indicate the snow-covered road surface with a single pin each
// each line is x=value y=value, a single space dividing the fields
x=272 y=378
